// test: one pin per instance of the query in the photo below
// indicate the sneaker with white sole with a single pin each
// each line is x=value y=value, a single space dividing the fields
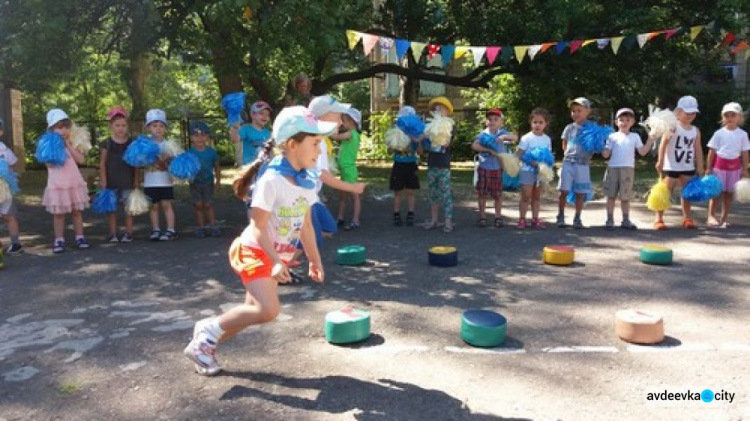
x=202 y=350
x=14 y=249
x=127 y=238
x=113 y=238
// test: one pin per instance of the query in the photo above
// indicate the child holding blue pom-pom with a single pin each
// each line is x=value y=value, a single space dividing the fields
x=66 y=191
x=531 y=185
x=202 y=186
x=249 y=138
x=490 y=171
x=727 y=159
x=575 y=174
x=115 y=173
x=157 y=182
x=620 y=149
x=404 y=179
x=7 y=207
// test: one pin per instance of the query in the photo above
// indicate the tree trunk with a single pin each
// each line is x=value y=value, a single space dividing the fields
x=409 y=91
x=138 y=71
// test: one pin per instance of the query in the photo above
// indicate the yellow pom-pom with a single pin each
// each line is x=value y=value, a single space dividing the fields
x=659 y=197
x=546 y=174
x=5 y=193
x=742 y=191
x=137 y=203
x=172 y=149
x=396 y=139
x=511 y=164
x=439 y=130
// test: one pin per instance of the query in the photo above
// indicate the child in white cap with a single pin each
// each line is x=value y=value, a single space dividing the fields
x=575 y=173
x=347 y=160
x=157 y=182
x=727 y=159
x=280 y=220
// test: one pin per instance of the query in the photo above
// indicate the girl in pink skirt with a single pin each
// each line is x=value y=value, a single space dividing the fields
x=728 y=160
x=66 y=191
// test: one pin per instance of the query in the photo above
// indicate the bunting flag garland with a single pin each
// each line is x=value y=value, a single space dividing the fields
x=492 y=52
x=739 y=47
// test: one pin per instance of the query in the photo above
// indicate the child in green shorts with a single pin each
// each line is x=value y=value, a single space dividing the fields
x=349 y=138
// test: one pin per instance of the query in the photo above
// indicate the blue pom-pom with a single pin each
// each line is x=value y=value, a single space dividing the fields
x=539 y=154
x=490 y=142
x=142 y=152
x=700 y=189
x=511 y=183
x=572 y=197
x=10 y=176
x=592 y=137
x=105 y=201
x=50 y=149
x=411 y=124
x=185 y=166
x=233 y=105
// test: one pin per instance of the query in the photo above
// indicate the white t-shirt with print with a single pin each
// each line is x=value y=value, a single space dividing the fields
x=288 y=204
x=729 y=144
x=680 y=153
x=623 y=149
x=156 y=178
x=530 y=141
x=7 y=155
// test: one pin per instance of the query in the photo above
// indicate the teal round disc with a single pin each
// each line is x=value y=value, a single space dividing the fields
x=347 y=326
x=483 y=328
x=351 y=255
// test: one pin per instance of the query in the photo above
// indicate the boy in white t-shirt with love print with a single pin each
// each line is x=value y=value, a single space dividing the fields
x=620 y=149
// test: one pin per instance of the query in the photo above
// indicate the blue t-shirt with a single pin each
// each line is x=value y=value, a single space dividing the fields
x=208 y=158
x=488 y=161
x=407 y=157
x=252 y=141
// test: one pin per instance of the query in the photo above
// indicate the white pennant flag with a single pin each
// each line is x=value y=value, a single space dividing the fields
x=602 y=43
x=643 y=39
x=533 y=50
x=478 y=53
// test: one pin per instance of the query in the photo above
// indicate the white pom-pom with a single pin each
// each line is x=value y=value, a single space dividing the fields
x=742 y=191
x=439 y=130
x=137 y=203
x=511 y=163
x=172 y=149
x=396 y=139
x=546 y=174
x=80 y=137
x=5 y=193
x=661 y=122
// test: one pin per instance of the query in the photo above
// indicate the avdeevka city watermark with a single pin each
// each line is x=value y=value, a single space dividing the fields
x=689 y=395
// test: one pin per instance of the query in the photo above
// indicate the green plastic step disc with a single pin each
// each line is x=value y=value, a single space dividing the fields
x=483 y=328
x=656 y=254
x=351 y=255
x=347 y=325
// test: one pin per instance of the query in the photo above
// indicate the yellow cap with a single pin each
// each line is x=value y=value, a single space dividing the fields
x=441 y=100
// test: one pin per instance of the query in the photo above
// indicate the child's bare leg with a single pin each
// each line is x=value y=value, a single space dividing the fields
x=410 y=202
x=168 y=213
x=198 y=210
x=482 y=203
x=342 y=205
x=686 y=205
x=357 y=207
x=12 y=222
x=112 y=220
x=58 y=224
x=261 y=306
x=499 y=206
x=397 y=200
x=523 y=204
x=210 y=214
x=625 y=206
x=77 y=217
x=611 y=201
x=536 y=202
x=153 y=216
x=727 y=197
x=712 y=221
x=562 y=200
x=129 y=223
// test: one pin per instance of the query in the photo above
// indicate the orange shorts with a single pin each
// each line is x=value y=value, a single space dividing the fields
x=249 y=263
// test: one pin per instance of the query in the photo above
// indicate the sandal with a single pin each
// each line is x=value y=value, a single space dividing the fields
x=430 y=225
x=448 y=228
x=482 y=222
x=410 y=219
x=660 y=226
x=688 y=223
x=499 y=223
x=352 y=225
x=397 y=219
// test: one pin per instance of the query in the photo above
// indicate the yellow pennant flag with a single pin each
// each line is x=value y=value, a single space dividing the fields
x=460 y=52
x=521 y=52
x=694 y=31
x=353 y=38
x=587 y=42
x=416 y=49
x=616 y=41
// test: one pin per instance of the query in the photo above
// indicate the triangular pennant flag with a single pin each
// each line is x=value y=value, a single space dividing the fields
x=629 y=42
x=385 y=45
x=478 y=53
x=492 y=53
x=460 y=52
x=694 y=31
x=546 y=46
x=520 y=52
x=447 y=51
x=506 y=54
x=728 y=39
x=670 y=33
x=616 y=41
x=561 y=46
x=432 y=49
x=575 y=45
x=353 y=38
x=654 y=34
x=602 y=43
x=534 y=50
x=416 y=49
x=402 y=46
x=368 y=42
x=587 y=42
x=642 y=39
x=741 y=46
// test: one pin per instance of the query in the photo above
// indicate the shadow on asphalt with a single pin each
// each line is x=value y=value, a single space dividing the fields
x=382 y=400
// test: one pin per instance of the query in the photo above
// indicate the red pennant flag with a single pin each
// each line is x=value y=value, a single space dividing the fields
x=727 y=40
x=574 y=45
x=670 y=33
x=492 y=53
x=432 y=49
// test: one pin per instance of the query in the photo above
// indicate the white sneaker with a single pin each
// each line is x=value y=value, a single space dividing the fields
x=202 y=351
